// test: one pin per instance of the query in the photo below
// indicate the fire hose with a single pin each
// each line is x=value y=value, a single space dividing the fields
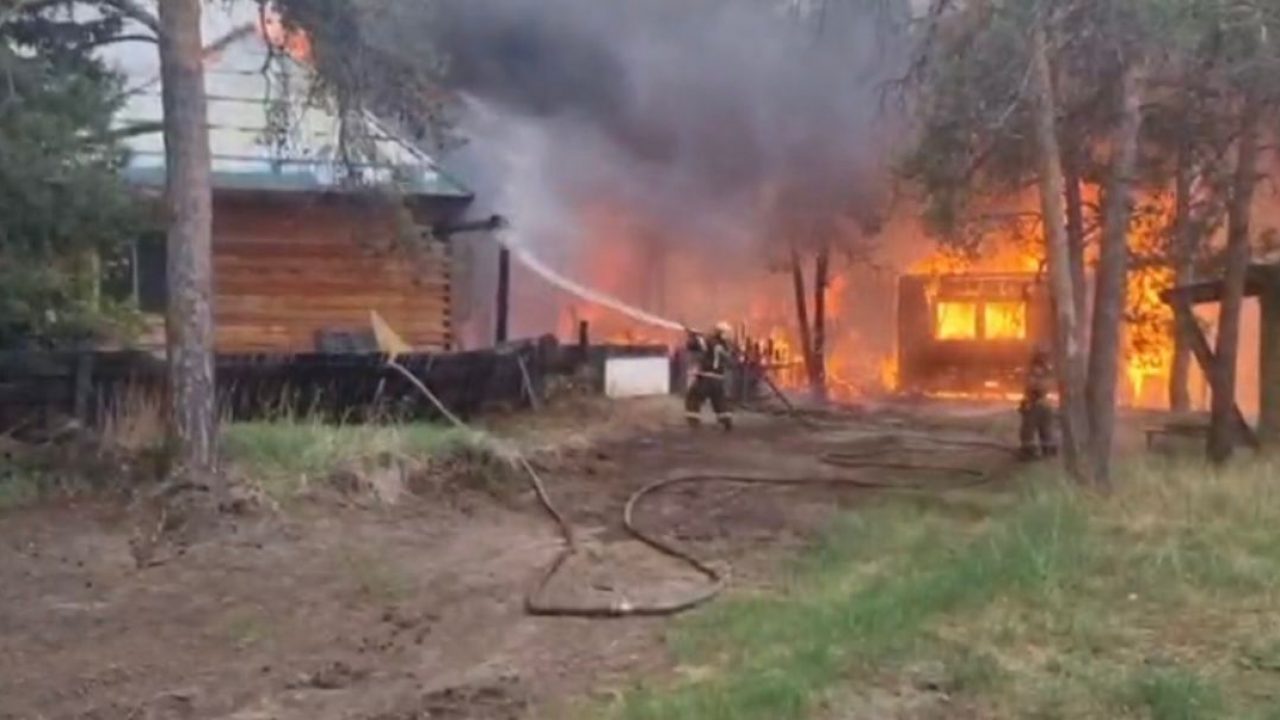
x=717 y=578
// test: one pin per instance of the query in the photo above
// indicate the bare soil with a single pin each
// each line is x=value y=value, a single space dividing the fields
x=342 y=608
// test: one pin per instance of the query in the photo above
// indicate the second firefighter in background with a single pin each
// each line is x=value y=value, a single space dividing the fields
x=714 y=356
x=1036 y=430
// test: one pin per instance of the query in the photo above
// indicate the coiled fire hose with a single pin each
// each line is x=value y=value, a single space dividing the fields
x=717 y=579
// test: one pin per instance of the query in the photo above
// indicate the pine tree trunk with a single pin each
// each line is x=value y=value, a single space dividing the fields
x=802 y=312
x=1183 y=256
x=1069 y=353
x=193 y=418
x=1112 y=277
x=821 y=279
x=1222 y=431
x=1072 y=151
x=1075 y=234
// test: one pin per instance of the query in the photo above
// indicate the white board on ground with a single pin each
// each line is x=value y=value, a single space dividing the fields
x=637 y=377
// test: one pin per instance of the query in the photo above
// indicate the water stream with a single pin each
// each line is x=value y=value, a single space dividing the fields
x=531 y=261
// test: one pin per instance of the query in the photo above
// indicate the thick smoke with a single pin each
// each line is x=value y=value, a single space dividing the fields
x=713 y=120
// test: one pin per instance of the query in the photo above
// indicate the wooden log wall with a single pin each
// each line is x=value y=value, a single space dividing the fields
x=287 y=268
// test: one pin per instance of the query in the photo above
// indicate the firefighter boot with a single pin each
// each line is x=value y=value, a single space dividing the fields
x=1026 y=435
x=726 y=422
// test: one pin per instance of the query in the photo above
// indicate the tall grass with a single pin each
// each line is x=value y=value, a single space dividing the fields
x=310 y=447
x=1057 y=605
x=288 y=453
x=135 y=423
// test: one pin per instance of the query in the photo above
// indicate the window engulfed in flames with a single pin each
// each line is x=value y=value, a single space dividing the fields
x=956 y=321
x=1148 y=338
x=1004 y=321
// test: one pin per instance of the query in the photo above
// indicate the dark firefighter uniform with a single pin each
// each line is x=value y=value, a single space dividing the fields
x=714 y=356
x=1036 y=430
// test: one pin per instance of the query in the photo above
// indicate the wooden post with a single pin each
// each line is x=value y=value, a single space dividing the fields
x=502 y=316
x=83 y=387
x=1269 y=365
x=584 y=338
x=1186 y=319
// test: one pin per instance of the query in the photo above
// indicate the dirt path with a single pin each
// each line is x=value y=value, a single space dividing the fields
x=411 y=611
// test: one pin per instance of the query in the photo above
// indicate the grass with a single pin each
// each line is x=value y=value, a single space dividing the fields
x=287 y=454
x=19 y=487
x=1161 y=602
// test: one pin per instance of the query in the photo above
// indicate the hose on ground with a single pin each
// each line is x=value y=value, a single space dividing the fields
x=717 y=579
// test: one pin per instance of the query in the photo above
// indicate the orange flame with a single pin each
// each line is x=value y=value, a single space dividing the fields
x=1148 y=340
x=292 y=41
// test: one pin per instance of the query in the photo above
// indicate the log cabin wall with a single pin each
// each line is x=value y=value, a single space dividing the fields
x=288 y=267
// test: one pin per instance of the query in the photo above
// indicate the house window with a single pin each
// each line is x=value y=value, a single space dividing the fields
x=956 y=321
x=150 y=263
x=1005 y=321
x=137 y=274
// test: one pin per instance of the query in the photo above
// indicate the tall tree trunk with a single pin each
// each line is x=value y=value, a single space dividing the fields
x=1183 y=257
x=1075 y=233
x=1070 y=356
x=1072 y=148
x=193 y=417
x=821 y=280
x=1113 y=270
x=1222 y=430
x=802 y=312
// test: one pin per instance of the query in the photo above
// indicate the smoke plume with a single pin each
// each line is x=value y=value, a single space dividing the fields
x=709 y=123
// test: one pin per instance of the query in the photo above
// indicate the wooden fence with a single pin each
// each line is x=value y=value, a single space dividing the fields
x=37 y=387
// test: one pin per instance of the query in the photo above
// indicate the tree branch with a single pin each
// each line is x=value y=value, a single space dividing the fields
x=137 y=37
x=135 y=129
x=134 y=10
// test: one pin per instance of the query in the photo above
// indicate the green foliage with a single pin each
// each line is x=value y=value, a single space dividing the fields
x=288 y=453
x=1175 y=694
x=359 y=69
x=787 y=651
x=311 y=447
x=66 y=211
x=974 y=147
x=1053 y=605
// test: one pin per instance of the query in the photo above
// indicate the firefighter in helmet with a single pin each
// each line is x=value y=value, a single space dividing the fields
x=714 y=355
x=1036 y=430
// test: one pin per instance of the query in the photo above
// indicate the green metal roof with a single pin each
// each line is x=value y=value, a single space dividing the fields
x=300 y=177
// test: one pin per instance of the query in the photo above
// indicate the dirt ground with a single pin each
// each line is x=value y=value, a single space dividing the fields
x=335 y=607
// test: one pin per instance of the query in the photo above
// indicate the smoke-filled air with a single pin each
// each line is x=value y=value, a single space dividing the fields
x=668 y=153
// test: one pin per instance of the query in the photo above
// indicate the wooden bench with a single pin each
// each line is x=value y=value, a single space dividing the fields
x=1183 y=430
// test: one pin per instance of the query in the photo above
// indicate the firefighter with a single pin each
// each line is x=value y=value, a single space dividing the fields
x=714 y=355
x=1036 y=412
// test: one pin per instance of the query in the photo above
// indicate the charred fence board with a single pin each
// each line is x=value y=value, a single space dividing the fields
x=352 y=387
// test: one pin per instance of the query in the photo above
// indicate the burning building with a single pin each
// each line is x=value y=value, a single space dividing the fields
x=969 y=333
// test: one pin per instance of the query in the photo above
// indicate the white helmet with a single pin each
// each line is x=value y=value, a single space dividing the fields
x=724 y=328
